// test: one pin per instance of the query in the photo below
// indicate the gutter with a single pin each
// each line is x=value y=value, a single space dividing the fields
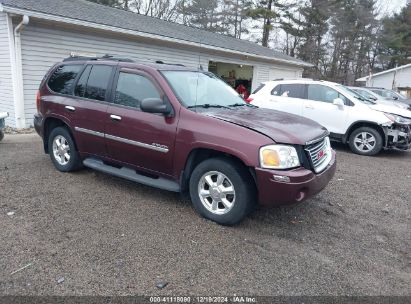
x=18 y=82
x=67 y=20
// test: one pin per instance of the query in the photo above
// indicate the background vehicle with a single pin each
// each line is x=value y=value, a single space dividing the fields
x=3 y=116
x=366 y=126
x=390 y=94
x=372 y=96
x=181 y=130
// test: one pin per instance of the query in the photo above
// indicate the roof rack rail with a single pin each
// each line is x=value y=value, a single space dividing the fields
x=105 y=57
x=162 y=62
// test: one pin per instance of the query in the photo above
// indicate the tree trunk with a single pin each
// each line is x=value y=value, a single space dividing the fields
x=267 y=24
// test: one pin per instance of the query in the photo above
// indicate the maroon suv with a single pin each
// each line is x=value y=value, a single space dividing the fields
x=182 y=130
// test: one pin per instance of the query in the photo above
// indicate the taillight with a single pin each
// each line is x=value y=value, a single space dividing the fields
x=249 y=100
x=38 y=97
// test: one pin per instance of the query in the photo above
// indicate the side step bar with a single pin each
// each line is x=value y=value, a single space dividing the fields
x=132 y=175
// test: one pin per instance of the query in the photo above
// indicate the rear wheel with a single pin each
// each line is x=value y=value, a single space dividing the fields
x=63 y=151
x=1 y=135
x=366 y=141
x=222 y=190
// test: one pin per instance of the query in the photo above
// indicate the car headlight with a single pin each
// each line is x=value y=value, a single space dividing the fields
x=398 y=119
x=279 y=157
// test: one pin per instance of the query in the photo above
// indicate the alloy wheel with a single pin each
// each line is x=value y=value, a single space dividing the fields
x=216 y=192
x=365 y=141
x=61 y=150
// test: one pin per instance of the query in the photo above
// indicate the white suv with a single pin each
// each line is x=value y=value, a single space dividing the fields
x=366 y=126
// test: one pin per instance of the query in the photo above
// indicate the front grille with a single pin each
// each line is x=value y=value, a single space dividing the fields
x=319 y=154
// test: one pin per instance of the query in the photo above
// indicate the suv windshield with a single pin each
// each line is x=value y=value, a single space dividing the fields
x=365 y=94
x=355 y=94
x=202 y=89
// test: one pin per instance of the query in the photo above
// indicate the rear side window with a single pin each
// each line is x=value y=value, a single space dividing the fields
x=132 y=89
x=80 y=89
x=61 y=81
x=289 y=90
x=260 y=86
x=98 y=81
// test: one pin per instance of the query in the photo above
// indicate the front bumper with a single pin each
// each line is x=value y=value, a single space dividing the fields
x=398 y=136
x=302 y=184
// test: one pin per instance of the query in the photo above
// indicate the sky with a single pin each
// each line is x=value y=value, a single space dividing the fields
x=391 y=6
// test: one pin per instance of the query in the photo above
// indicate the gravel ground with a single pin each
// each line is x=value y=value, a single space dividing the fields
x=87 y=233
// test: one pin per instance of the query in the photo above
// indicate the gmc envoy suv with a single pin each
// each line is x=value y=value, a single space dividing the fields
x=181 y=130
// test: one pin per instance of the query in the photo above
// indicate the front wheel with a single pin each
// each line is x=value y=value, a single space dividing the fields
x=366 y=141
x=222 y=190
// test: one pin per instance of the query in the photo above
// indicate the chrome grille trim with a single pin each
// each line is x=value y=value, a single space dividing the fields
x=313 y=150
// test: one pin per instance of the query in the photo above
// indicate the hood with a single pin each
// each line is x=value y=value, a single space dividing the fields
x=279 y=126
x=391 y=109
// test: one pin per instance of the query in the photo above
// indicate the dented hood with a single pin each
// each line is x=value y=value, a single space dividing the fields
x=391 y=109
x=279 y=126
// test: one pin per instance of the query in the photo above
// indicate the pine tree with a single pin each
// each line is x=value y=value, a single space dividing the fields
x=395 y=38
x=268 y=11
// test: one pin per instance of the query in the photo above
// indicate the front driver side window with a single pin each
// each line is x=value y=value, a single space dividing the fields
x=323 y=93
x=133 y=88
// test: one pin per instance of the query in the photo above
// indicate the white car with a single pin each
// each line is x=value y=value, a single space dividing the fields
x=366 y=126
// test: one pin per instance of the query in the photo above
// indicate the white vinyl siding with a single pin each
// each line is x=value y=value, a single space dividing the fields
x=261 y=74
x=6 y=84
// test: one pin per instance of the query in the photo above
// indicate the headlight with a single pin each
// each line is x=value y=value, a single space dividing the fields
x=398 y=119
x=279 y=157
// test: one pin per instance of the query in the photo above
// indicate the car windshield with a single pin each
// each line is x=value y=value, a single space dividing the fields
x=354 y=94
x=393 y=94
x=365 y=94
x=202 y=89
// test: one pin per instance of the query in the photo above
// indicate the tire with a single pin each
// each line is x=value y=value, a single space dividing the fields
x=226 y=173
x=63 y=163
x=1 y=135
x=366 y=141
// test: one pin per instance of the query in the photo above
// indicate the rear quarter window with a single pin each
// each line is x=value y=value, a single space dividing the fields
x=260 y=86
x=62 y=79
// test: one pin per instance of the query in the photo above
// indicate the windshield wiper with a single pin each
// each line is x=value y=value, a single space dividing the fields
x=207 y=105
x=360 y=98
x=242 y=105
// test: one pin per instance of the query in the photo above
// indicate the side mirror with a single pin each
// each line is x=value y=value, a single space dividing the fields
x=155 y=105
x=395 y=97
x=338 y=102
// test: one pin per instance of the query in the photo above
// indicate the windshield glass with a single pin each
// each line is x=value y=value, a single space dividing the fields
x=196 y=89
x=365 y=94
x=354 y=94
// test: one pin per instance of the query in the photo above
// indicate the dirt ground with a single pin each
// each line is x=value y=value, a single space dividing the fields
x=88 y=233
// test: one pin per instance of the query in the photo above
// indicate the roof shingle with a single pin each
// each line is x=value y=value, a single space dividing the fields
x=99 y=14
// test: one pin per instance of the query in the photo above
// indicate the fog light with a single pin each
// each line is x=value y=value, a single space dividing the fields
x=281 y=178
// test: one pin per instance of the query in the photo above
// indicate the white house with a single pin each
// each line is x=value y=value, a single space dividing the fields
x=398 y=79
x=35 y=34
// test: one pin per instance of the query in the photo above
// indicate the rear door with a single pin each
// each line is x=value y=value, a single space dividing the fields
x=288 y=98
x=319 y=107
x=137 y=138
x=89 y=109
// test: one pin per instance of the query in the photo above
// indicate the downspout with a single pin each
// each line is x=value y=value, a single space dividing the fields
x=19 y=100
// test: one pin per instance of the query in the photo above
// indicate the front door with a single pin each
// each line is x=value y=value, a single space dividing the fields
x=319 y=107
x=137 y=138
